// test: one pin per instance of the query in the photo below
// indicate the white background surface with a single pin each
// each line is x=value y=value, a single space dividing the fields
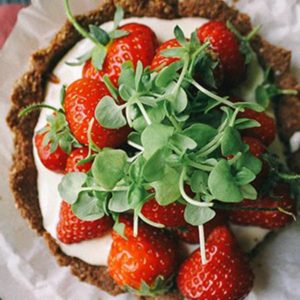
x=27 y=270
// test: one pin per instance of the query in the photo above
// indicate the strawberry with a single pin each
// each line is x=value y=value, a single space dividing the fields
x=225 y=46
x=71 y=230
x=53 y=160
x=159 y=61
x=226 y=275
x=266 y=132
x=190 y=234
x=266 y=219
x=144 y=258
x=256 y=147
x=139 y=44
x=81 y=99
x=171 y=215
x=76 y=156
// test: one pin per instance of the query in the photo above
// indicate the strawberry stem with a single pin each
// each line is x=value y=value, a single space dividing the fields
x=37 y=106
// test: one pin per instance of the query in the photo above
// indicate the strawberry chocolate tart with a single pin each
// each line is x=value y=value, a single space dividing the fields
x=151 y=147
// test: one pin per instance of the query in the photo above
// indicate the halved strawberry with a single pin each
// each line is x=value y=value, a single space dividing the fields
x=266 y=132
x=171 y=215
x=266 y=219
x=53 y=160
x=226 y=275
x=139 y=44
x=71 y=230
x=225 y=47
x=144 y=258
x=81 y=100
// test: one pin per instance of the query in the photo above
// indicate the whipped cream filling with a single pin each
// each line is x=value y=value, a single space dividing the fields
x=96 y=251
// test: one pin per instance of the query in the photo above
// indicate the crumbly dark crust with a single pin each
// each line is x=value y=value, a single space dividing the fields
x=30 y=88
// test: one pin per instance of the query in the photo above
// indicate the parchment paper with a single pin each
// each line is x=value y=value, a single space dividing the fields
x=27 y=270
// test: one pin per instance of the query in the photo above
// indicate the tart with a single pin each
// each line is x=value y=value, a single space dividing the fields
x=31 y=89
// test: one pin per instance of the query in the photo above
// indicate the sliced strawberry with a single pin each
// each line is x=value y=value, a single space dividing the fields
x=71 y=230
x=226 y=275
x=75 y=157
x=82 y=97
x=53 y=160
x=159 y=61
x=171 y=215
x=225 y=46
x=152 y=253
x=266 y=219
x=266 y=132
x=190 y=234
x=139 y=44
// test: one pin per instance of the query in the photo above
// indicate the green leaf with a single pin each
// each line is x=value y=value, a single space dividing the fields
x=199 y=181
x=70 y=186
x=99 y=34
x=109 y=114
x=138 y=74
x=127 y=76
x=118 y=34
x=232 y=142
x=181 y=101
x=174 y=52
x=118 y=17
x=244 y=123
x=118 y=202
x=167 y=189
x=183 y=142
x=126 y=92
x=110 y=86
x=222 y=184
x=167 y=75
x=249 y=192
x=154 y=168
x=87 y=208
x=247 y=160
x=244 y=176
x=252 y=105
x=98 y=57
x=201 y=133
x=155 y=137
x=136 y=169
x=80 y=60
x=262 y=96
x=109 y=167
x=135 y=137
x=179 y=35
x=120 y=229
x=135 y=195
x=196 y=215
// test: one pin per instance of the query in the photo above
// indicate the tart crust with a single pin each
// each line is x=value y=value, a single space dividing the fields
x=30 y=88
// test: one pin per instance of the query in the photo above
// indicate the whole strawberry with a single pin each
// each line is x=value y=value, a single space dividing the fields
x=266 y=132
x=171 y=215
x=141 y=259
x=81 y=99
x=75 y=157
x=280 y=198
x=225 y=46
x=139 y=44
x=71 y=230
x=226 y=275
x=190 y=234
x=53 y=160
x=159 y=61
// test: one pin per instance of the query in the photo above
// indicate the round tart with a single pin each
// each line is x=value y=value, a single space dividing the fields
x=31 y=88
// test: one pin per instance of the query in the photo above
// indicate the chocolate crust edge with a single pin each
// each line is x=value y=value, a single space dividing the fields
x=30 y=88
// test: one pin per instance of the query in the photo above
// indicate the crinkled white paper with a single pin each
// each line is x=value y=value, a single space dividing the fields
x=27 y=270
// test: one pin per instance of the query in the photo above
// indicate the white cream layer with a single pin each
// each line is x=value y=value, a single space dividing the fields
x=96 y=251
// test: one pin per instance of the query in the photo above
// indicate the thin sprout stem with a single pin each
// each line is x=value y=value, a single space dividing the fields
x=202 y=244
x=99 y=189
x=186 y=197
x=289 y=92
x=154 y=224
x=136 y=146
x=135 y=224
x=77 y=26
x=252 y=34
x=144 y=113
x=37 y=106
x=127 y=113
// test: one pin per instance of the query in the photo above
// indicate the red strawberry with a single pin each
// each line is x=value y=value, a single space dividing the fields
x=266 y=132
x=54 y=161
x=226 y=275
x=256 y=147
x=159 y=61
x=225 y=45
x=71 y=230
x=75 y=157
x=190 y=234
x=266 y=219
x=143 y=258
x=139 y=44
x=171 y=215
x=82 y=97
